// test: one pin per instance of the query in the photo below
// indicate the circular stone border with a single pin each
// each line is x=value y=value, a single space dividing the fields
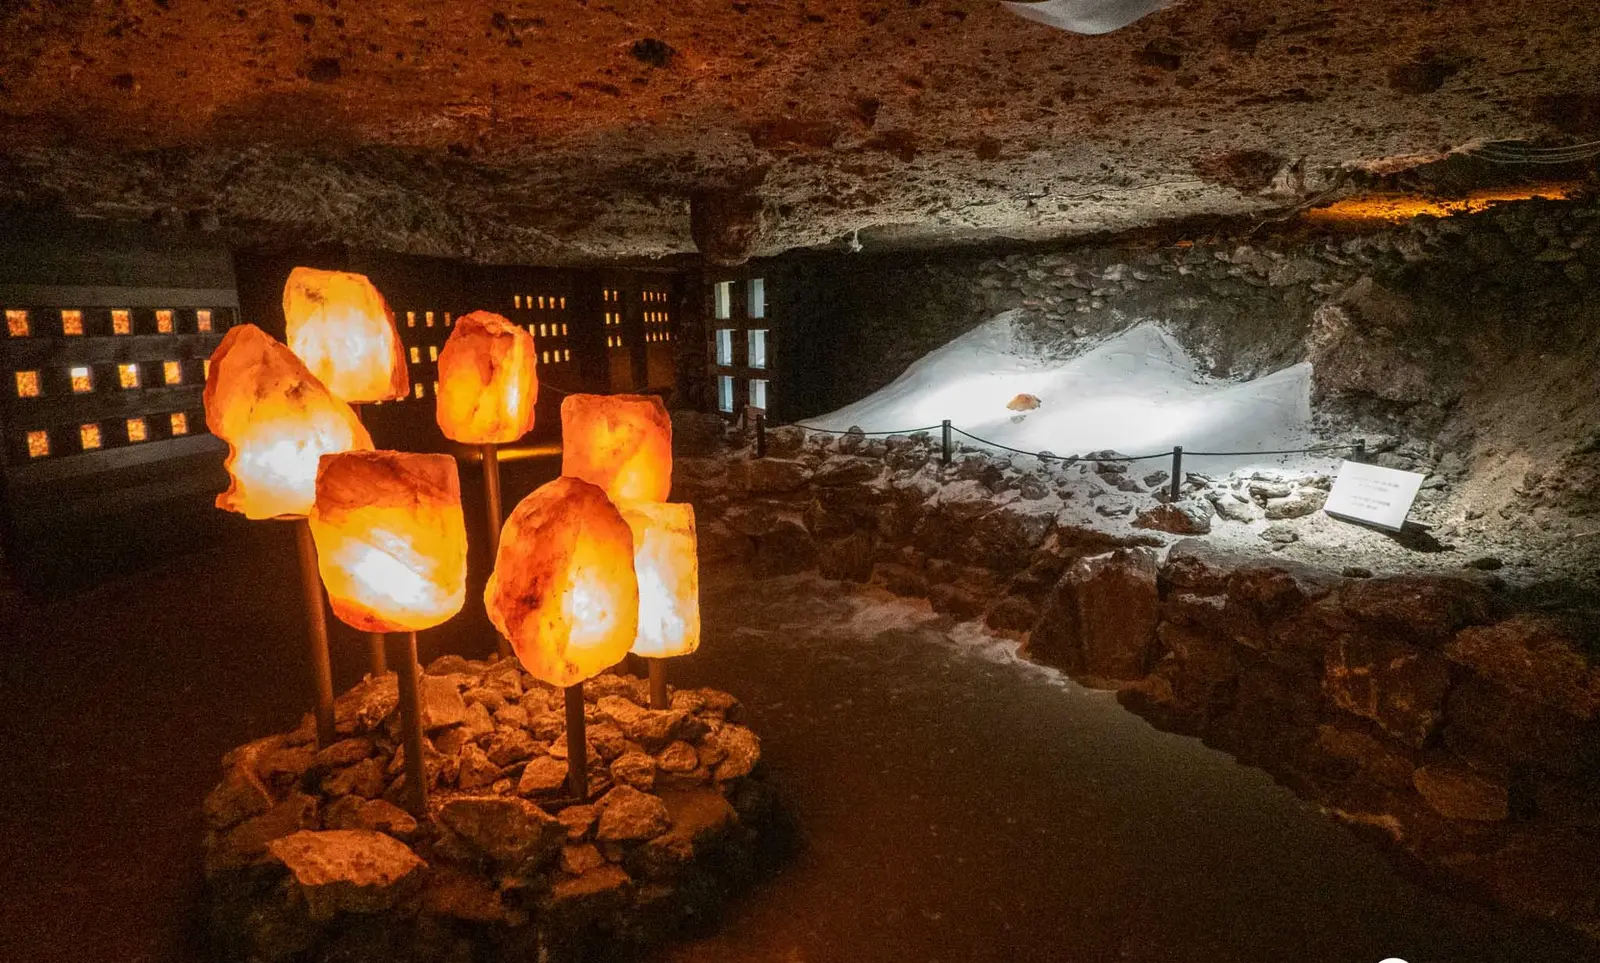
x=309 y=854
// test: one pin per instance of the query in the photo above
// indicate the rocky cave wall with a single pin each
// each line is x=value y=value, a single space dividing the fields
x=1465 y=346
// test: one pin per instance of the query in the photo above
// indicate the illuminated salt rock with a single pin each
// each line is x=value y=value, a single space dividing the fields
x=277 y=419
x=623 y=443
x=343 y=330
x=563 y=590
x=488 y=382
x=391 y=540
x=666 y=560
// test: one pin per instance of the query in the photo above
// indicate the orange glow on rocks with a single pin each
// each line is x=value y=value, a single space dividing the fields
x=343 y=330
x=488 y=381
x=563 y=590
x=1394 y=208
x=666 y=560
x=277 y=419
x=623 y=443
x=391 y=539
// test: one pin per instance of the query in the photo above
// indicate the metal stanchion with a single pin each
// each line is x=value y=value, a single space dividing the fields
x=658 y=684
x=761 y=435
x=491 y=498
x=316 y=630
x=944 y=455
x=577 y=744
x=411 y=723
x=1177 y=470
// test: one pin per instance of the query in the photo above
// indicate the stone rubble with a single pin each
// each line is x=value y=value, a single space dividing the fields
x=504 y=844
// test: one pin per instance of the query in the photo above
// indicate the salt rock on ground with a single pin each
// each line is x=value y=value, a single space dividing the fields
x=512 y=832
x=346 y=870
x=1179 y=518
x=1456 y=792
x=628 y=815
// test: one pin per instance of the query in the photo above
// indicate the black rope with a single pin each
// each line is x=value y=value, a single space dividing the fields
x=1047 y=456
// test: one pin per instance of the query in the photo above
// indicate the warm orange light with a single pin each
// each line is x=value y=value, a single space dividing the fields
x=563 y=590
x=391 y=540
x=343 y=330
x=121 y=321
x=488 y=381
x=1394 y=208
x=623 y=443
x=668 y=567
x=277 y=419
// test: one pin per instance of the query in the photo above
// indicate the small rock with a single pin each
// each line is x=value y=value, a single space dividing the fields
x=679 y=757
x=240 y=795
x=1356 y=571
x=579 y=859
x=578 y=820
x=1191 y=517
x=634 y=769
x=1487 y=563
x=365 y=779
x=628 y=815
x=364 y=707
x=346 y=870
x=475 y=769
x=376 y=815
x=510 y=745
x=1303 y=502
x=543 y=774
x=345 y=752
x=1455 y=792
x=442 y=704
x=508 y=830
x=1279 y=535
x=740 y=748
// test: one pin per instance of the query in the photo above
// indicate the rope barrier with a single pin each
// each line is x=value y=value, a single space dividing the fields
x=1046 y=456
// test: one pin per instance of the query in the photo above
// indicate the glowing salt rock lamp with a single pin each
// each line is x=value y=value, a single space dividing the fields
x=488 y=382
x=623 y=443
x=392 y=548
x=391 y=541
x=343 y=330
x=278 y=421
x=564 y=593
x=666 y=561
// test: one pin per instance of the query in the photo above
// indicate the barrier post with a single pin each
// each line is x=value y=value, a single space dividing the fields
x=761 y=435
x=1177 y=470
x=1361 y=450
x=944 y=454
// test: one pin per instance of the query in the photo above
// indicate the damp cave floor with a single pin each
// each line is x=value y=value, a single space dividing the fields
x=954 y=803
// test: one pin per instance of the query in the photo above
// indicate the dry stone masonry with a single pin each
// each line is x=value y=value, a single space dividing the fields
x=309 y=855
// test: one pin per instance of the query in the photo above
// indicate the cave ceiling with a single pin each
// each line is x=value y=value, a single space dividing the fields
x=575 y=130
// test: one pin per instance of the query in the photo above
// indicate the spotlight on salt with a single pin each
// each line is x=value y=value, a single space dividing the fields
x=1138 y=393
x=1087 y=16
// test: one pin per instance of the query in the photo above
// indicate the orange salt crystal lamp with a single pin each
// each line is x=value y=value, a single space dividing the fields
x=278 y=420
x=392 y=548
x=391 y=540
x=488 y=382
x=564 y=593
x=342 y=328
x=666 y=560
x=623 y=443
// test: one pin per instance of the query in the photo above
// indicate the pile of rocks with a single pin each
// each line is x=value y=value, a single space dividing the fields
x=310 y=855
x=1430 y=705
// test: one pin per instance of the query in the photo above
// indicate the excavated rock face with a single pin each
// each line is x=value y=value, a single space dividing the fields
x=565 y=131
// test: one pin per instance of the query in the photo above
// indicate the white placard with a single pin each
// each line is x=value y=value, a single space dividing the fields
x=1373 y=495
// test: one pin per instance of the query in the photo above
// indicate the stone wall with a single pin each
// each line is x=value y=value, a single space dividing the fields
x=1434 y=708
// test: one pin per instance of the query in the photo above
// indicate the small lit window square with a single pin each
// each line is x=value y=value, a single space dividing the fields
x=202 y=320
x=543 y=331
x=416 y=390
x=17 y=326
x=180 y=423
x=205 y=369
x=72 y=322
x=433 y=352
x=563 y=304
x=411 y=319
x=89 y=437
x=172 y=372
x=164 y=321
x=38 y=444
x=531 y=328
x=416 y=354
x=545 y=357
x=436 y=387
x=121 y=321
x=136 y=430
x=563 y=329
x=429 y=316
x=448 y=321
x=566 y=355
x=128 y=375
x=82 y=380
x=517 y=299
x=27 y=384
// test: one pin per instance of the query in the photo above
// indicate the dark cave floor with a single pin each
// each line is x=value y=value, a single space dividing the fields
x=955 y=803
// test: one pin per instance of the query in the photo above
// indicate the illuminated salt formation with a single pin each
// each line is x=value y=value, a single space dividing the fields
x=623 y=443
x=563 y=590
x=341 y=327
x=391 y=540
x=666 y=561
x=488 y=381
x=277 y=419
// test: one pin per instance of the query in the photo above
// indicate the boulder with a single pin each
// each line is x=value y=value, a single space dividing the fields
x=1399 y=687
x=1100 y=619
x=767 y=476
x=347 y=870
x=1300 y=503
x=847 y=470
x=1423 y=609
x=1535 y=656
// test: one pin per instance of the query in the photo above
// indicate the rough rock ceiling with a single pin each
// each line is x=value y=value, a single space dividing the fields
x=559 y=130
